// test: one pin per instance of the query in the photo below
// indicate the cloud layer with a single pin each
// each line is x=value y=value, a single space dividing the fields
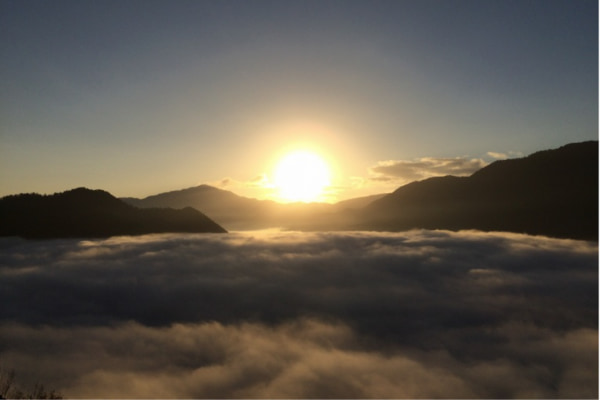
x=284 y=314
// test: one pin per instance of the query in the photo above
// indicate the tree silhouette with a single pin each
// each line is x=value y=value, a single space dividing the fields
x=9 y=390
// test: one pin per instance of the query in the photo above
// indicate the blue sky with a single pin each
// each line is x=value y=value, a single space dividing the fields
x=139 y=97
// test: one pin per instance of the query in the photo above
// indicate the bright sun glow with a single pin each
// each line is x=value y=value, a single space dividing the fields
x=301 y=176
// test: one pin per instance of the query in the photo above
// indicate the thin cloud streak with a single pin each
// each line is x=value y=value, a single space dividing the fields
x=287 y=314
x=497 y=156
x=404 y=171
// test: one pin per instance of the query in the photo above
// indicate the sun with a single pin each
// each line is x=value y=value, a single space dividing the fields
x=301 y=176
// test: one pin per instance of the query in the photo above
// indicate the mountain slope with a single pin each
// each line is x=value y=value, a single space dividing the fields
x=357 y=202
x=552 y=192
x=233 y=211
x=229 y=209
x=241 y=213
x=92 y=213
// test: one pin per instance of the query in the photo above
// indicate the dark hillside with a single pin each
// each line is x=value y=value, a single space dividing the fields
x=552 y=192
x=236 y=212
x=92 y=213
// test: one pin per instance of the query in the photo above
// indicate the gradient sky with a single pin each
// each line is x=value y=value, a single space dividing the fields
x=141 y=97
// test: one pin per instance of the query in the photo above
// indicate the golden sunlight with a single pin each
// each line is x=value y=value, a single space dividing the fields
x=301 y=176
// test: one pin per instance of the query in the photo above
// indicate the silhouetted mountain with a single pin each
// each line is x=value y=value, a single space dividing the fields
x=225 y=207
x=239 y=213
x=92 y=213
x=357 y=202
x=552 y=192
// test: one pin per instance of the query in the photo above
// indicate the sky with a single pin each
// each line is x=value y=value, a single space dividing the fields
x=416 y=314
x=142 y=97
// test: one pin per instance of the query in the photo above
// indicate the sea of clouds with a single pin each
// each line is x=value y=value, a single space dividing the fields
x=419 y=314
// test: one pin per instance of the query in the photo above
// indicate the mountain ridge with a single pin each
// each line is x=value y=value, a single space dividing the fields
x=240 y=213
x=551 y=192
x=83 y=212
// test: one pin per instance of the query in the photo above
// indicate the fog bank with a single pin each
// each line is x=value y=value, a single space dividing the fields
x=285 y=314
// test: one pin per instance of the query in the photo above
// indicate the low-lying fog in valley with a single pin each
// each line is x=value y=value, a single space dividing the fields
x=287 y=314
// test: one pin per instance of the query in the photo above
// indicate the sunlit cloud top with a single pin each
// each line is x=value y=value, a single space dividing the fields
x=418 y=314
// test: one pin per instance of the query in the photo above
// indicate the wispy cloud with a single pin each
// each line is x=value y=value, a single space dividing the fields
x=284 y=314
x=504 y=155
x=497 y=156
x=259 y=181
x=404 y=171
x=258 y=186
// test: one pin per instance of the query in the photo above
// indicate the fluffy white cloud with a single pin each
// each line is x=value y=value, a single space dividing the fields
x=286 y=314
